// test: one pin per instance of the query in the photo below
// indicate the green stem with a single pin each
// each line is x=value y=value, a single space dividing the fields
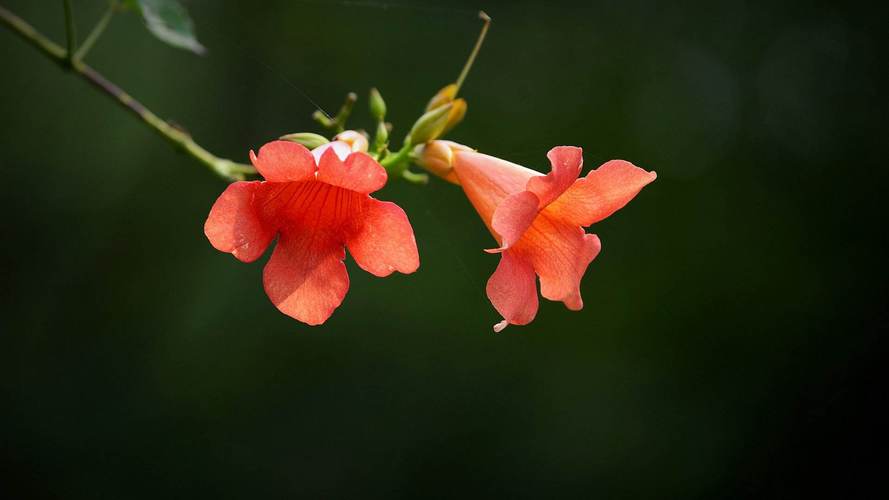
x=96 y=32
x=32 y=36
x=478 y=45
x=70 y=35
x=397 y=162
x=339 y=121
x=415 y=177
x=222 y=167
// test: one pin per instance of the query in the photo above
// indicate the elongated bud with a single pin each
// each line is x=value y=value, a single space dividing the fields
x=430 y=125
x=456 y=115
x=381 y=137
x=438 y=158
x=323 y=119
x=356 y=140
x=377 y=105
x=443 y=96
x=307 y=139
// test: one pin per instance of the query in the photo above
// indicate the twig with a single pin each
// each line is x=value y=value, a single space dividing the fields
x=70 y=34
x=222 y=167
x=97 y=31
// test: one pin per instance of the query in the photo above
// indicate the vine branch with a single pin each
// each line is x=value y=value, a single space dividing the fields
x=70 y=34
x=222 y=167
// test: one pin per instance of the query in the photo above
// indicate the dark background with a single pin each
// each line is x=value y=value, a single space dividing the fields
x=728 y=346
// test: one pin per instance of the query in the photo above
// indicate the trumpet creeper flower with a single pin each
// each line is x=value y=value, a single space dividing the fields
x=318 y=204
x=538 y=221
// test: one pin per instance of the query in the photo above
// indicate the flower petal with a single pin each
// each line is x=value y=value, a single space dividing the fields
x=601 y=193
x=234 y=225
x=341 y=148
x=560 y=254
x=284 y=161
x=487 y=180
x=512 y=290
x=567 y=162
x=382 y=240
x=359 y=173
x=305 y=277
x=512 y=217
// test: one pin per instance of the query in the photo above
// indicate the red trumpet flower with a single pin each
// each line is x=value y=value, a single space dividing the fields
x=318 y=204
x=538 y=220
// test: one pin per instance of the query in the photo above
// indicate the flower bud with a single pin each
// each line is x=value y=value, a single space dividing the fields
x=355 y=140
x=307 y=139
x=456 y=115
x=438 y=157
x=377 y=105
x=323 y=119
x=430 y=126
x=381 y=137
x=444 y=96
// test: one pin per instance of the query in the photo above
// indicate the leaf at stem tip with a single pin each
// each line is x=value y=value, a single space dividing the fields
x=169 y=21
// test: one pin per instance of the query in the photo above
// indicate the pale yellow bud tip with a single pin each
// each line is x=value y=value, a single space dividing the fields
x=438 y=158
x=356 y=140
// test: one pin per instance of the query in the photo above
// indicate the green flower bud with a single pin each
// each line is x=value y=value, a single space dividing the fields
x=377 y=105
x=307 y=139
x=381 y=137
x=323 y=119
x=430 y=125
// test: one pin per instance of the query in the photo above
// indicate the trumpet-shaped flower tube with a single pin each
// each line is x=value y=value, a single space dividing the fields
x=317 y=203
x=538 y=222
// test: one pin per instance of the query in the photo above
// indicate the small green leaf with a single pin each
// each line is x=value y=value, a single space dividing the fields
x=169 y=21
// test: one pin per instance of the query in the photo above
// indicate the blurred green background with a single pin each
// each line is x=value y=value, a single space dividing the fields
x=726 y=347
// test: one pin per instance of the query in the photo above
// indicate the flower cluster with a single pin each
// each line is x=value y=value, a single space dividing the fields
x=315 y=198
x=318 y=203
